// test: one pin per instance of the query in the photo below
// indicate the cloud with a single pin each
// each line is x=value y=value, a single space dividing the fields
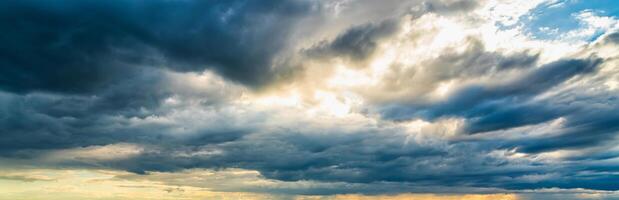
x=416 y=82
x=446 y=7
x=356 y=43
x=24 y=178
x=119 y=113
x=169 y=90
x=78 y=47
x=582 y=130
x=612 y=38
x=496 y=106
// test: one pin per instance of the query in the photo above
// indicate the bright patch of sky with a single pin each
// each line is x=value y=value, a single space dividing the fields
x=571 y=20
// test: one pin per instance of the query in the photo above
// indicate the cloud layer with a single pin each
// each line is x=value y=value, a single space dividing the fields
x=307 y=98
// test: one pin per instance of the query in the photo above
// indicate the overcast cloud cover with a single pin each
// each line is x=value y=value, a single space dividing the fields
x=300 y=99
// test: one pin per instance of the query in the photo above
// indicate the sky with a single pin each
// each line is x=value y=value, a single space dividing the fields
x=309 y=99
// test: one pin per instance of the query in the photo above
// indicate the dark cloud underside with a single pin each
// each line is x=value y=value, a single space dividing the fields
x=81 y=46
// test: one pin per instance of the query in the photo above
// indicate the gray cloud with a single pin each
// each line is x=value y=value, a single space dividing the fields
x=492 y=107
x=81 y=46
x=406 y=83
x=612 y=38
x=357 y=43
x=84 y=75
x=584 y=129
x=449 y=6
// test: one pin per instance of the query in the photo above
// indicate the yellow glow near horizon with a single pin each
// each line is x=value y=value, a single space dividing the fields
x=68 y=184
x=105 y=184
x=48 y=184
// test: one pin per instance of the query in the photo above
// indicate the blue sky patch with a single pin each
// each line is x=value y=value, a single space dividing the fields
x=548 y=21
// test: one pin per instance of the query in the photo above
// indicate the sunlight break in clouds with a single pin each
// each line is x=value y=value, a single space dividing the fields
x=305 y=99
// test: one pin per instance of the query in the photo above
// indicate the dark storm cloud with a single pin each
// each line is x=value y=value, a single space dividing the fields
x=290 y=154
x=355 y=157
x=612 y=38
x=54 y=121
x=81 y=46
x=42 y=121
x=504 y=114
x=357 y=43
x=367 y=158
x=587 y=128
x=492 y=107
x=376 y=157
